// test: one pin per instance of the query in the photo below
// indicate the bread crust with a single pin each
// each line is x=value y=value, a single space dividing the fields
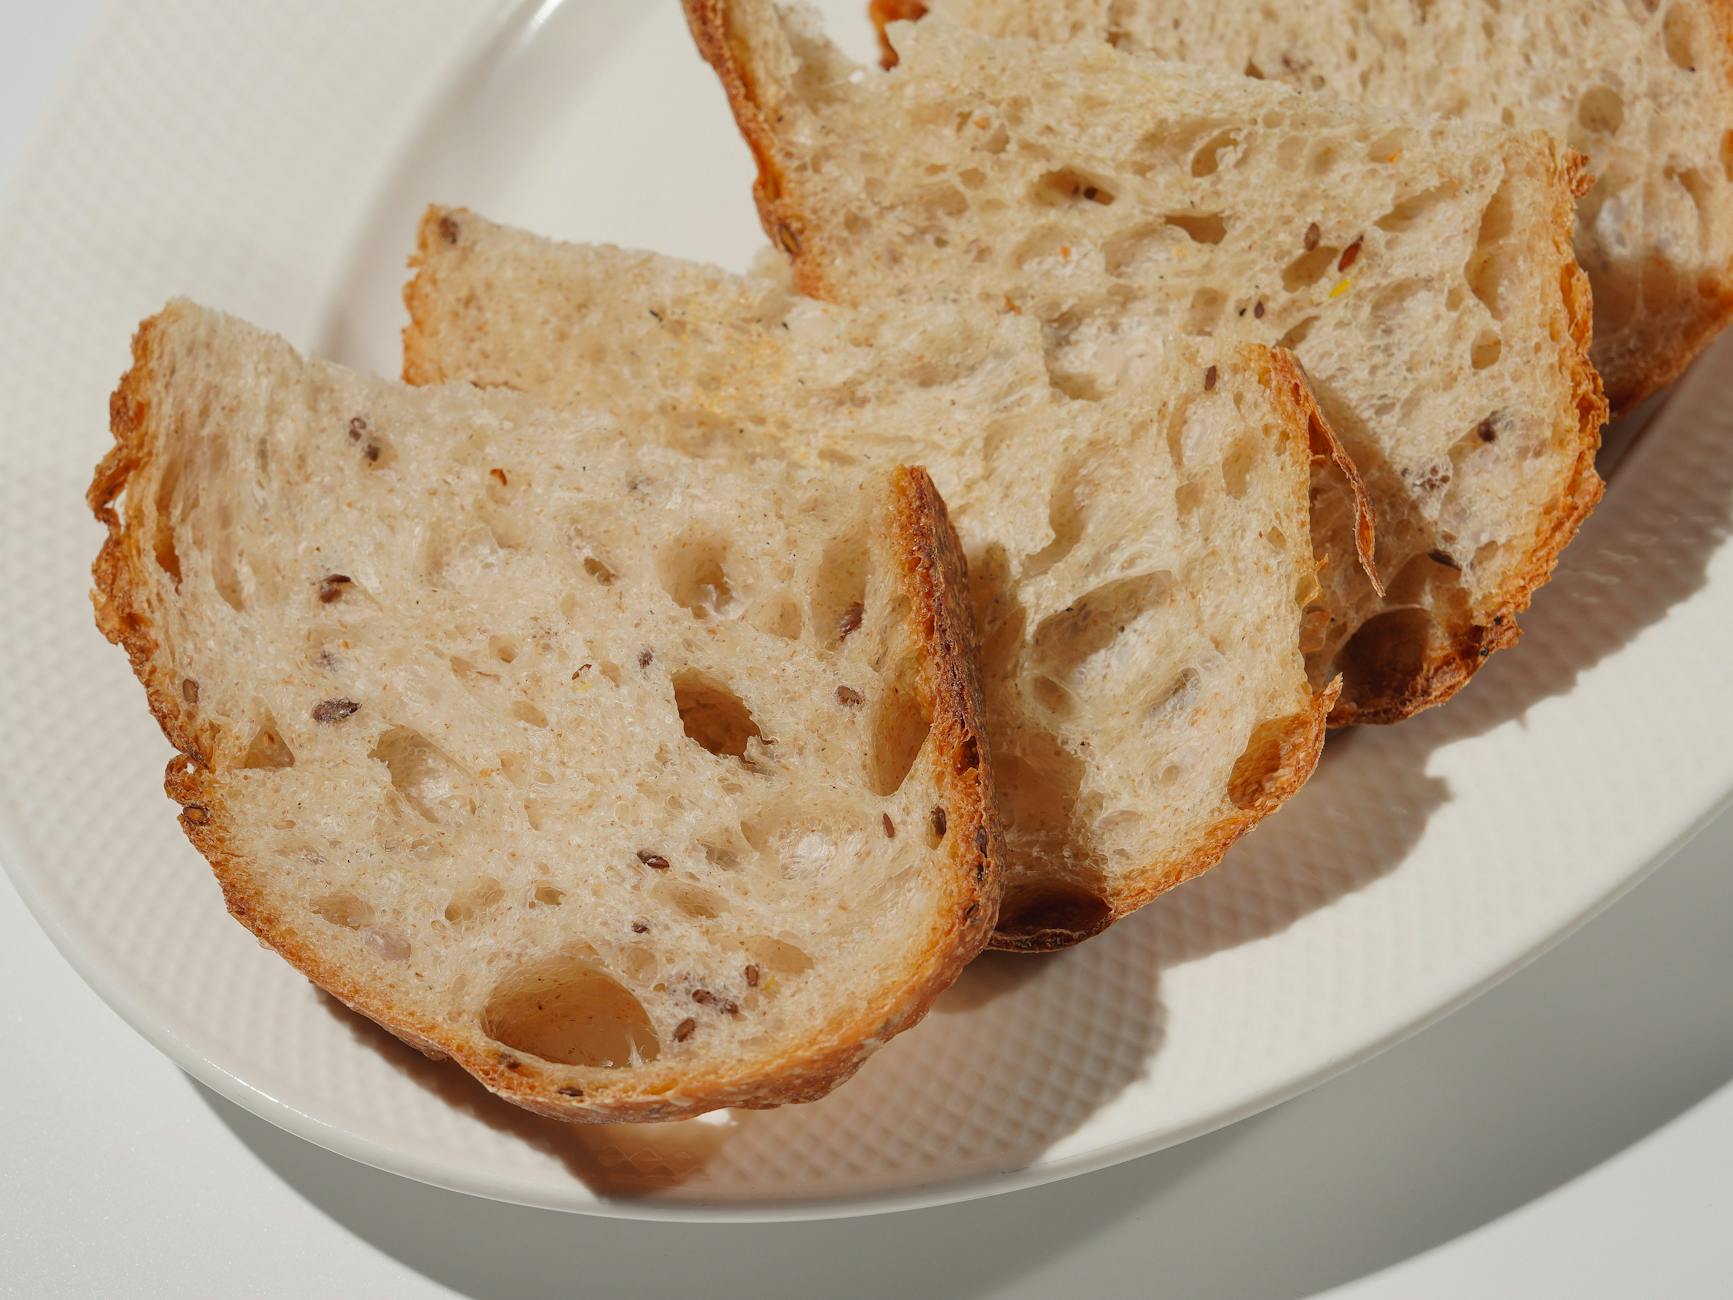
x=934 y=579
x=1280 y=758
x=1457 y=653
x=1447 y=667
x=883 y=13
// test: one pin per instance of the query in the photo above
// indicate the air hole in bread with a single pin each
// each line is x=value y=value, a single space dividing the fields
x=1412 y=209
x=839 y=589
x=1263 y=764
x=541 y=814
x=1128 y=253
x=777 y=955
x=163 y=537
x=387 y=943
x=1188 y=496
x=692 y=900
x=510 y=532
x=1202 y=227
x=547 y=894
x=1297 y=333
x=1204 y=310
x=1601 y=110
x=1052 y=696
x=779 y=616
x=603 y=575
x=900 y=723
x=692 y=572
x=572 y=1012
x=1038 y=784
x=712 y=715
x=1067 y=185
x=1309 y=267
x=1679 y=34
x=1432 y=579
x=343 y=908
x=609 y=670
x=1238 y=464
x=267 y=748
x=1388 y=147
x=1207 y=160
x=473 y=898
x=1066 y=642
x=428 y=781
x=1323 y=160
x=504 y=648
x=524 y=711
x=224 y=575
x=1487 y=263
x=639 y=964
x=1488 y=346
x=1175 y=699
x=1065 y=518
x=1386 y=657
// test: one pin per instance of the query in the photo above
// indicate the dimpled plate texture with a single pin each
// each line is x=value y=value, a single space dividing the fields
x=270 y=159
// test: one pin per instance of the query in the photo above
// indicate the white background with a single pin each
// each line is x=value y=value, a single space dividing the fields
x=1570 y=1133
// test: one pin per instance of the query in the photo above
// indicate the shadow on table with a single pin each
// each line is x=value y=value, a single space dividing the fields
x=1559 y=1069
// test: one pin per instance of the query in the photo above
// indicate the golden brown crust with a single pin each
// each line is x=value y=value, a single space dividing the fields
x=934 y=578
x=885 y=12
x=1447 y=667
x=1294 y=391
x=1281 y=756
x=723 y=48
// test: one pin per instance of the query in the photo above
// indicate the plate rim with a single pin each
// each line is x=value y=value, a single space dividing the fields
x=195 y=1052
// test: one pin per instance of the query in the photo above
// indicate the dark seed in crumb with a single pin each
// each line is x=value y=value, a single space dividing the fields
x=703 y=997
x=497 y=475
x=371 y=453
x=850 y=620
x=1443 y=557
x=752 y=977
x=334 y=710
x=331 y=587
x=357 y=428
x=1258 y=309
x=849 y=696
x=890 y=826
x=189 y=690
x=939 y=822
x=657 y=315
x=731 y=1008
x=571 y=1090
x=655 y=861
x=970 y=910
x=644 y=658
x=1313 y=234
x=196 y=813
x=1348 y=255
x=511 y=1063
x=448 y=229
x=1488 y=433
x=1209 y=380
x=980 y=839
x=787 y=238
x=638 y=927
x=683 y=1030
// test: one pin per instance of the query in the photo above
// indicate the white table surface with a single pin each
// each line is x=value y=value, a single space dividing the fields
x=1571 y=1133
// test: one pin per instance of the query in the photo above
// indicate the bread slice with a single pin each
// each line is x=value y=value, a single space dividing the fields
x=1645 y=90
x=1140 y=561
x=636 y=785
x=1421 y=269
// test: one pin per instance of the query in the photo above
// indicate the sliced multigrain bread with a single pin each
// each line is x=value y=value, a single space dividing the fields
x=1643 y=88
x=515 y=734
x=1422 y=270
x=1141 y=562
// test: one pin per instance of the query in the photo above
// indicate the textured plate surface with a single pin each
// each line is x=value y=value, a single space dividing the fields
x=270 y=158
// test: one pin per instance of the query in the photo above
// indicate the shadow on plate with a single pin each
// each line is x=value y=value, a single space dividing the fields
x=1557 y=1070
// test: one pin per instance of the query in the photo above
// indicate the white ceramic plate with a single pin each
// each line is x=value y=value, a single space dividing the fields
x=270 y=158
